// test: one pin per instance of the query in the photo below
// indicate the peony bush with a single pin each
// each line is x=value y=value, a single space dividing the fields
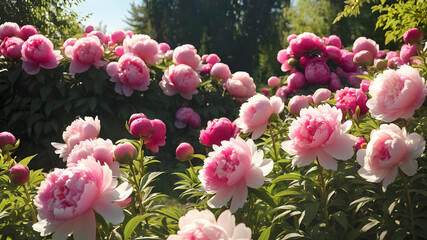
x=249 y=165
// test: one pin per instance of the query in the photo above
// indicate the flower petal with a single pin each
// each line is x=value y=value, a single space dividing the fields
x=409 y=167
x=254 y=178
x=227 y=221
x=221 y=198
x=327 y=161
x=84 y=226
x=342 y=147
x=111 y=212
x=239 y=196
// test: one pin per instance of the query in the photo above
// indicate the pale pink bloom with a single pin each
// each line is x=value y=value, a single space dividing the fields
x=255 y=113
x=89 y=28
x=395 y=62
x=241 y=85
x=129 y=34
x=76 y=132
x=125 y=152
x=184 y=151
x=129 y=73
x=169 y=54
x=363 y=58
x=283 y=57
x=201 y=225
x=157 y=138
x=67 y=198
x=117 y=36
x=180 y=79
x=296 y=80
x=218 y=130
x=334 y=40
x=9 y=29
x=412 y=36
x=37 y=52
x=11 y=47
x=317 y=71
x=144 y=47
x=351 y=98
x=296 y=103
x=396 y=94
x=69 y=42
x=318 y=133
x=390 y=148
x=363 y=43
x=391 y=54
x=86 y=51
x=230 y=169
x=273 y=82
x=321 y=95
x=221 y=71
x=100 y=35
x=334 y=82
x=27 y=31
x=407 y=51
x=164 y=47
x=187 y=54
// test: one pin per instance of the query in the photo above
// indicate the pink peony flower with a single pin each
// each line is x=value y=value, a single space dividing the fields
x=9 y=29
x=184 y=151
x=303 y=43
x=230 y=169
x=157 y=138
x=273 y=82
x=395 y=62
x=76 y=132
x=412 y=36
x=290 y=37
x=347 y=61
x=38 y=52
x=218 y=130
x=396 y=94
x=19 y=174
x=207 y=68
x=255 y=113
x=67 y=198
x=87 y=51
x=136 y=116
x=11 y=47
x=119 y=51
x=125 y=152
x=364 y=85
x=321 y=95
x=363 y=58
x=265 y=91
x=202 y=225
x=27 y=31
x=141 y=128
x=187 y=54
x=7 y=138
x=101 y=150
x=318 y=133
x=296 y=80
x=283 y=92
x=361 y=143
x=390 y=148
x=144 y=47
x=117 y=37
x=283 y=57
x=213 y=59
x=180 y=79
x=100 y=35
x=164 y=47
x=129 y=73
x=241 y=85
x=351 y=98
x=334 y=82
x=407 y=51
x=297 y=103
x=220 y=71
x=334 y=40
x=332 y=52
x=363 y=43
x=89 y=28
x=186 y=115
x=317 y=71
x=69 y=42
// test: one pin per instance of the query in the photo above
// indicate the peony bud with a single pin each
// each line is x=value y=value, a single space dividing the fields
x=125 y=152
x=321 y=94
x=265 y=91
x=89 y=29
x=296 y=80
x=213 y=59
x=7 y=138
x=117 y=36
x=363 y=58
x=361 y=143
x=19 y=174
x=221 y=71
x=412 y=36
x=164 y=47
x=380 y=64
x=27 y=31
x=297 y=103
x=184 y=152
x=141 y=128
x=273 y=82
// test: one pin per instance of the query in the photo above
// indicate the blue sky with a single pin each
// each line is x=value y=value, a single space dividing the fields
x=111 y=13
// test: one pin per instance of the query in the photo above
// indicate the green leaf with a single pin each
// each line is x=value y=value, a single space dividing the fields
x=341 y=219
x=289 y=176
x=26 y=160
x=310 y=212
x=148 y=178
x=131 y=225
x=292 y=236
x=287 y=192
x=265 y=235
x=373 y=223
x=264 y=196
x=44 y=92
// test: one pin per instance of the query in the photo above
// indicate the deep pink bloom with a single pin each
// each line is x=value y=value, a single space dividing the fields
x=407 y=51
x=334 y=40
x=37 y=52
x=89 y=28
x=213 y=59
x=136 y=116
x=141 y=128
x=391 y=54
x=273 y=82
x=76 y=132
x=7 y=138
x=100 y=35
x=27 y=31
x=144 y=47
x=230 y=169
x=201 y=225
x=117 y=36
x=241 y=85
x=317 y=71
x=296 y=80
x=11 y=47
x=218 y=130
x=321 y=95
x=318 y=133
x=363 y=43
x=351 y=98
x=207 y=68
x=265 y=91
x=9 y=29
x=180 y=79
x=19 y=174
x=353 y=80
x=157 y=138
x=67 y=198
x=347 y=61
x=69 y=42
x=361 y=143
x=187 y=54
x=303 y=43
x=184 y=151
x=332 y=52
x=255 y=113
x=119 y=51
x=290 y=37
x=87 y=51
x=364 y=85
x=412 y=36
x=221 y=71
x=125 y=152
x=396 y=94
x=129 y=73
x=334 y=82
x=296 y=103
x=164 y=47
x=390 y=148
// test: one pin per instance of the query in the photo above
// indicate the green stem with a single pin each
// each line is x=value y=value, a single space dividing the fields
x=191 y=165
x=141 y=155
x=137 y=190
x=98 y=231
x=33 y=213
x=411 y=213
x=274 y=142
x=323 y=197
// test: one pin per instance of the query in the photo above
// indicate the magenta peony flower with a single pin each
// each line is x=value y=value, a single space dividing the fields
x=296 y=80
x=303 y=43
x=364 y=85
x=218 y=130
x=396 y=94
x=89 y=28
x=187 y=54
x=290 y=37
x=317 y=71
x=100 y=35
x=119 y=51
x=297 y=103
x=69 y=42
x=202 y=225
x=85 y=52
x=184 y=151
x=11 y=47
x=38 y=52
x=117 y=37
x=76 y=132
x=407 y=51
x=332 y=52
x=318 y=133
x=230 y=169
x=412 y=36
x=9 y=29
x=136 y=116
x=390 y=148
x=19 y=174
x=7 y=138
x=283 y=92
x=351 y=98
x=361 y=143
x=144 y=47
x=180 y=79
x=334 y=82
x=157 y=138
x=27 y=31
x=255 y=113
x=164 y=47
x=129 y=73
x=334 y=40
x=67 y=198
x=220 y=71
x=273 y=82
x=347 y=61
x=141 y=128
x=241 y=86
x=363 y=43
x=213 y=59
